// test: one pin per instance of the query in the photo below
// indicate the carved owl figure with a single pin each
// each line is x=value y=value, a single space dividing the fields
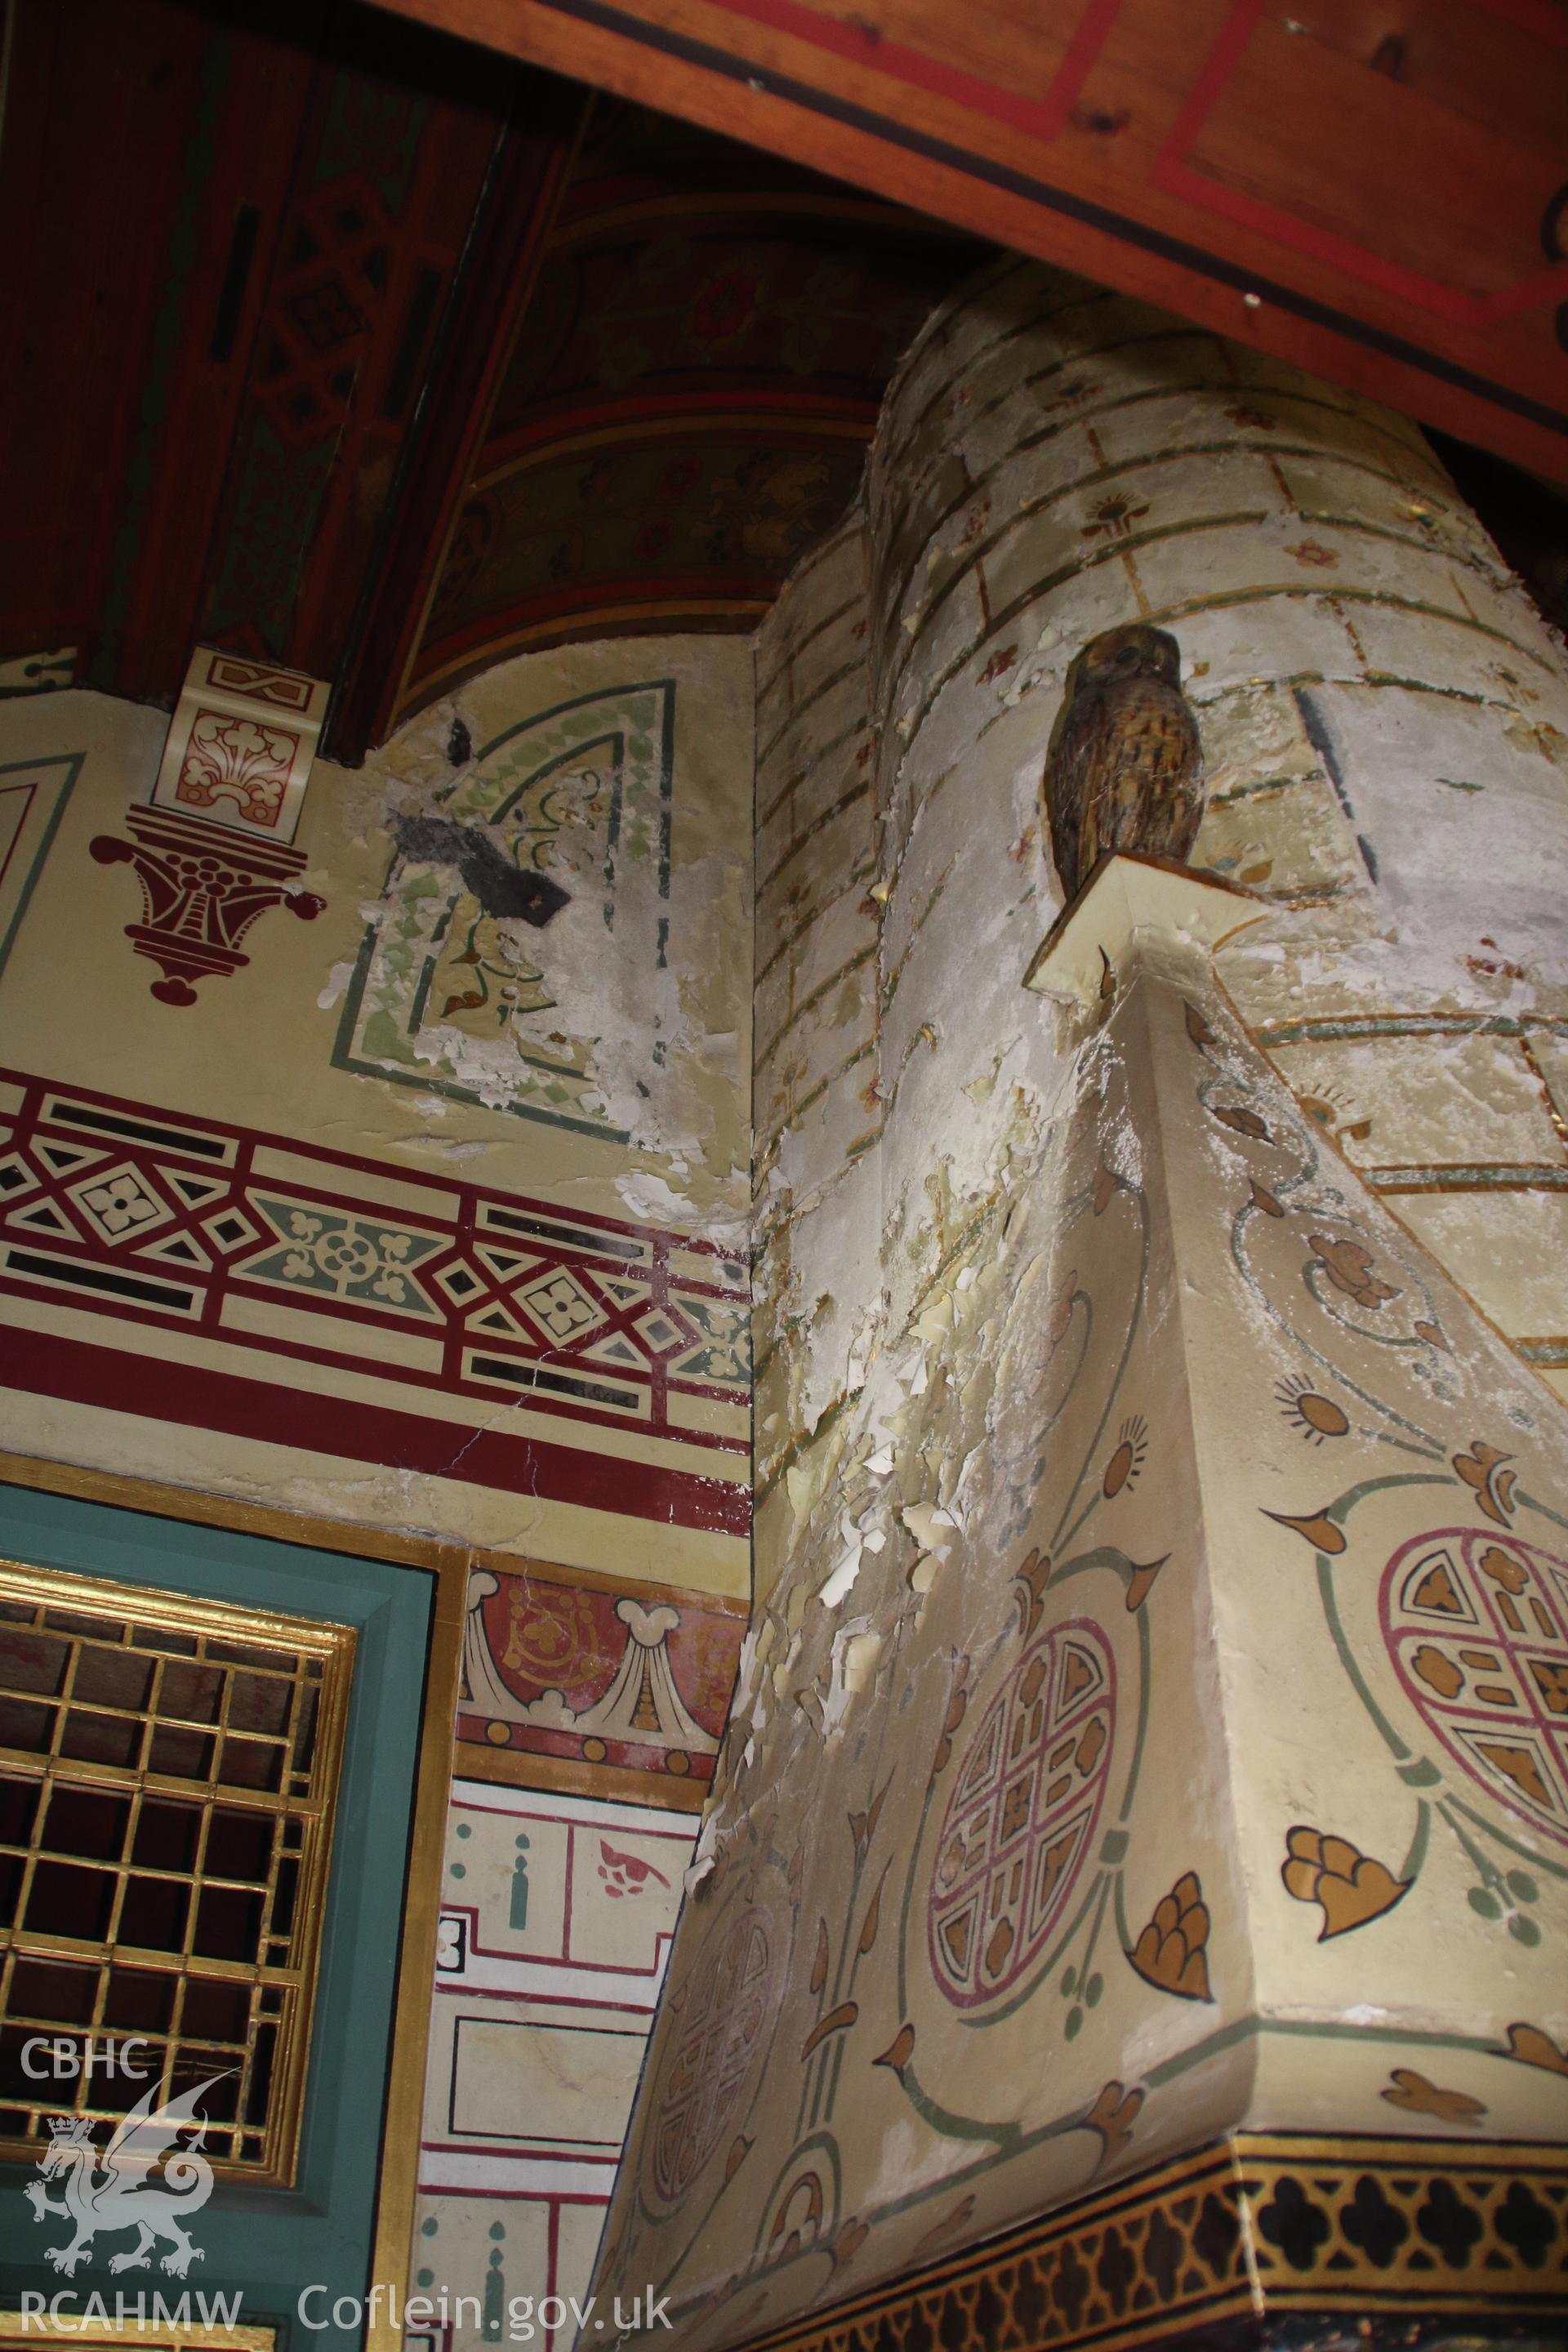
x=1124 y=770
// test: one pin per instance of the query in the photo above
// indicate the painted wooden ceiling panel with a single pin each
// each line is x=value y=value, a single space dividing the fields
x=688 y=398
x=1375 y=191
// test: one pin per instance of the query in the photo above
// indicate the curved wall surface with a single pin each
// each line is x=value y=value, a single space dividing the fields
x=1139 y=1502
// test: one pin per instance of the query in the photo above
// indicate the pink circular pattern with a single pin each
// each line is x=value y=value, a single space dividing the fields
x=728 y=2003
x=1477 y=1626
x=1020 y=1821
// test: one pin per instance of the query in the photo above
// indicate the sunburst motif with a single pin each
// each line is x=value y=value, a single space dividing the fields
x=1127 y=1462
x=1325 y=1104
x=1328 y=1108
x=1315 y=1416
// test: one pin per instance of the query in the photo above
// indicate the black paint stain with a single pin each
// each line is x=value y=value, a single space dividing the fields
x=510 y=892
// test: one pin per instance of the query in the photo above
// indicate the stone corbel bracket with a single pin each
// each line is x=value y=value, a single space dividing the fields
x=1130 y=906
x=203 y=886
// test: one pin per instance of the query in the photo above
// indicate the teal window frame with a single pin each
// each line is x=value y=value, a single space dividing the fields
x=267 y=2243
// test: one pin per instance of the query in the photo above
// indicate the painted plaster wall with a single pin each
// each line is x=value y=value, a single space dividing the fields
x=1053 y=460
x=989 y=1266
x=438 y=1064
x=408 y=1150
x=557 y=1922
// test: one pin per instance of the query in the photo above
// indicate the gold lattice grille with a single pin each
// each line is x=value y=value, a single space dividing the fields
x=167 y=1774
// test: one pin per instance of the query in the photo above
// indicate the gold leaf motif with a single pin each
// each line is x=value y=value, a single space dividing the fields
x=1482 y=1469
x=836 y=2022
x=1316 y=1526
x=1030 y=1581
x=1170 y=1952
x=851 y=2236
x=1198 y=1029
x=953 y=2220
x=1244 y=1122
x=1112 y=2116
x=1348 y=1266
x=957 y=1708
x=1414 y=2093
x=1532 y=2047
x=1140 y=1582
x=899 y=2050
x=1350 y=1887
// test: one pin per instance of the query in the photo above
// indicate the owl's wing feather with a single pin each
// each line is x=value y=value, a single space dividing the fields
x=1073 y=776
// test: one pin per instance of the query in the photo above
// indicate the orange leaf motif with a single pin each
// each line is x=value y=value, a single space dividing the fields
x=834 y=2023
x=819 y=1965
x=1170 y=1952
x=1349 y=1885
x=1482 y=1469
x=852 y=2235
x=1140 y=1582
x=1245 y=1122
x=1030 y=1581
x=954 y=2220
x=899 y=2050
x=1533 y=2048
x=1419 y=2097
x=1316 y=1526
x=1348 y=1267
x=957 y=1708
x=1112 y=2116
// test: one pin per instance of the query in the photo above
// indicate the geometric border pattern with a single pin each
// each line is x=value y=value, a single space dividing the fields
x=151 y=1217
x=1260 y=2224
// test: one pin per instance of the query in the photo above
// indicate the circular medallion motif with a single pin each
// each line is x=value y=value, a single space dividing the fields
x=1477 y=1626
x=729 y=2003
x=1020 y=1822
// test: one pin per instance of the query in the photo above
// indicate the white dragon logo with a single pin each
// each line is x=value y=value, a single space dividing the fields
x=113 y=2191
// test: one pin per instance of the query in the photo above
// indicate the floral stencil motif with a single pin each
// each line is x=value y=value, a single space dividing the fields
x=231 y=758
x=346 y=1258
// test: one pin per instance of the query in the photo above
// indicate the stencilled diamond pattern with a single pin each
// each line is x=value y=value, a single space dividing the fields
x=661 y=1332
x=146 y=1215
x=121 y=1206
x=560 y=1307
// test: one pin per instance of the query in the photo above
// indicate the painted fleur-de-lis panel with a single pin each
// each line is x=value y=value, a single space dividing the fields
x=1159 y=1771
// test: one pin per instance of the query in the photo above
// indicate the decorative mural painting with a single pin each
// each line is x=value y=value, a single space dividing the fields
x=458 y=992
x=985 y=1921
x=33 y=797
x=405 y=1302
x=556 y=1920
x=635 y=1682
x=241 y=744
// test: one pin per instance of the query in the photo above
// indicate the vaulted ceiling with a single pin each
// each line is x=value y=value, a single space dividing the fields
x=357 y=349
x=340 y=341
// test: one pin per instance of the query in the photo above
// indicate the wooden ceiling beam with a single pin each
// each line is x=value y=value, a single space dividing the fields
x=1393 y=221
